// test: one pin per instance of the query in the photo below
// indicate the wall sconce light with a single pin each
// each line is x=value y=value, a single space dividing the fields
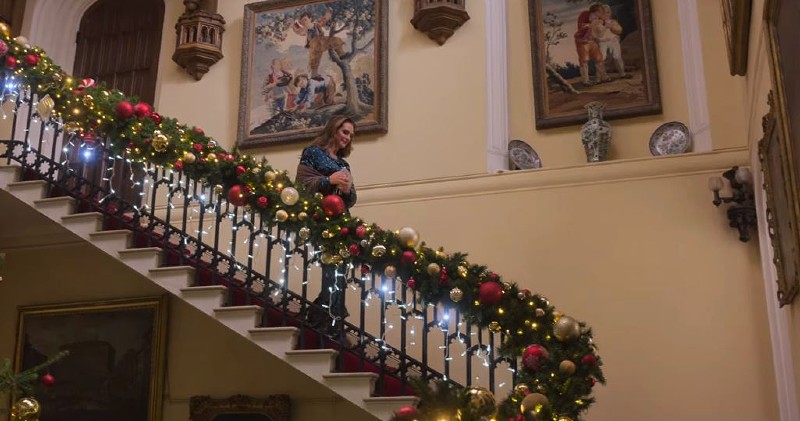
x=199 y=41
x=439 y=19
x=742 y=212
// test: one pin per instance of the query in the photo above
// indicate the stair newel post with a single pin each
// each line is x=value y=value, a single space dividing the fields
x=51 y=170
x=425 y=329
x=286 y=245
x=403 y=338
x=445 y=326
x=28 y=99
x=203 y=203
x=304 y=308
x=219 y=215
x=170 y=179
x=492 y=361
x=362 y=310
x=183 y=186
x=15 y=119
x=42 y=125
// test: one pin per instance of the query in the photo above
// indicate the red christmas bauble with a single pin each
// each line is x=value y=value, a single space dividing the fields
x=412 y=283
x=344 y=231
x=240 y=169
x=408 y=257
x=48 y=380
x=354 y=249
x=589 y=359
x=178 y=166
x=31 y=60
x=533 y=356
x=490 y=293
x=406 y=413
x=156 y=117
x=142 y=110
x=361 y=231
x=11 y=62
x=237 y=195
x=263 y=202
x=198 y=147
x=124 y=110
x=365 y=270
x=592 y=381
x=198 y=131
x=333 y=205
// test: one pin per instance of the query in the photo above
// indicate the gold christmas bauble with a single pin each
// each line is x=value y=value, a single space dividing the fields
x=189 y=157
x=327 y=234
x=434 y=269
x=539 y=312
x=567 y=367
x=160 y=141
x=5 y=30
x=211 y=157
x=408 y=236
x=521 y=389
x=23 y=41
x=534 y=402
x=462 y=271
x=26 y=409
x=281 y=215
x=304 y=233
x=378 y=250
x=390 y=271
x=344 y=252
x=289 y=196
x=326 y=258
x=456 y=294
x=218 y=189
x=566 y=329
x=302 y=216
x=481 y=400
x=270 y=176
x=495 y=327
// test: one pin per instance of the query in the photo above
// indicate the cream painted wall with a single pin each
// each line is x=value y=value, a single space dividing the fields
x=203 y=357
x=436 y=99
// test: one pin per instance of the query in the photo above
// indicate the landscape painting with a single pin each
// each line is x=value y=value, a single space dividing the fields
x=587 y=50
x=305 y=61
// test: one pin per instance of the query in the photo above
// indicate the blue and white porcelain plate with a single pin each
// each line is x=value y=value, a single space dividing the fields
x=670 y=138
x=523 y=156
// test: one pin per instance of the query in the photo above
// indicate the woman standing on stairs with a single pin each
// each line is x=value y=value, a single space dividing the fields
x=322 y=169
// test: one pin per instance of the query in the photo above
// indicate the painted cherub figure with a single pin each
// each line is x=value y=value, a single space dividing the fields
x=316 y=40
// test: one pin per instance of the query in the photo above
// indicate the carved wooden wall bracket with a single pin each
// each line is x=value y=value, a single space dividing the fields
x=439 y=19
x=199 y=40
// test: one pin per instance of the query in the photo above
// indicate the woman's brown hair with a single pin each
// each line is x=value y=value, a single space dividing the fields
x=326 y=137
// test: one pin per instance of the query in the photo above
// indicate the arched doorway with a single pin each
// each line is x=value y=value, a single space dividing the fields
x=119 y=42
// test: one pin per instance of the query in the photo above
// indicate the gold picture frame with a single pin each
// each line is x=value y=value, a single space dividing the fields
x=781 y=203
x=240 y=407
x=115 y=369
x=782 y=40
x=736 y=24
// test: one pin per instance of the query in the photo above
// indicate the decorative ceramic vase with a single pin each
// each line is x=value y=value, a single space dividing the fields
x=596 y=133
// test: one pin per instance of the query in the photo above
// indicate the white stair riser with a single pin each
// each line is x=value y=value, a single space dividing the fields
x=238 y=321
x=315 y=365
x=173 y=281
x=205 y=300
x=84 y=226
x=28 y=192
x=112 y=243
x=354 y=389
x=55 y=209
x=276 y=343
x=8 y=175
x=141 y=262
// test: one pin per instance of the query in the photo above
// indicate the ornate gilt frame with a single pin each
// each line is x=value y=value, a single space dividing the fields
x=781 y=203
x=113 y=324
x=736 y=23
x=274 y=407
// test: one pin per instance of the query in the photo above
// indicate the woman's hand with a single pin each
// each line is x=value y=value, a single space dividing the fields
x=341 y=179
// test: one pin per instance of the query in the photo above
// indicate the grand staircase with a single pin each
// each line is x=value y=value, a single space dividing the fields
x=314 y=355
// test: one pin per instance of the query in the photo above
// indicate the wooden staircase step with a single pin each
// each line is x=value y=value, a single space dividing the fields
x=173 y=278
x=352 y=386
x=314 y=362
x=141 y=260
x=55 y=207
x=277 y=340
x=83 y=224
x=239 y=318
x=28 y=191
x=205 y=298
x=113 y=241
